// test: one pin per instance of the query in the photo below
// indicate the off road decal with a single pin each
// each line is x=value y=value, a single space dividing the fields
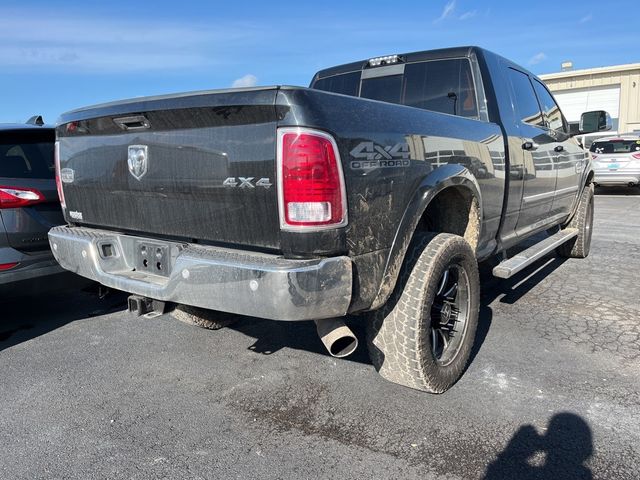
x=371 y=155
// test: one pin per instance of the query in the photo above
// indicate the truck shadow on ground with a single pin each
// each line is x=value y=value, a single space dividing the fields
x=26 y=318
x=618 y=191
x=561 y=452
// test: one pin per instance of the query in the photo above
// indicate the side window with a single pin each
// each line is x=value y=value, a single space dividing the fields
x=442 y=86
x=550 y=109
x=526 y=101
x=346 y=84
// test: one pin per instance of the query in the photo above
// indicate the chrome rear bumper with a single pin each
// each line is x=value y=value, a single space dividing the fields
x=215 y=278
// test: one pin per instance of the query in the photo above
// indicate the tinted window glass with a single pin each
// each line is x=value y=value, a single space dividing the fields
x=525 y=100
x=615 y=146
x=385 y=89
x=442 y=86
x=346 y=84
x=26 y=159
x=550 y=109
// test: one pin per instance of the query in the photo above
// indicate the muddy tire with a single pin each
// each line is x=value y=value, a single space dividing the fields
x=423 y=336
x=579 y=247
x=200 y=317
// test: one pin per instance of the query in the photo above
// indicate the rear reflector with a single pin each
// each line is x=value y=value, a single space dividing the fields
x=311 y=189
x=7 y=266
x=16 y=197
x=636 y=156
x=56 y=158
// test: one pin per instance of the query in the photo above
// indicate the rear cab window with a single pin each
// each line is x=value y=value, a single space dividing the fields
x=613 y=146
x=26 y=154
x=449 y=85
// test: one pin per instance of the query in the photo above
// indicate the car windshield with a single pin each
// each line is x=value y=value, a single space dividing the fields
x=615 y=146
x=22 y=156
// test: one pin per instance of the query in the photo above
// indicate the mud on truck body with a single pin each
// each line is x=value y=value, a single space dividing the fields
x=374 y=192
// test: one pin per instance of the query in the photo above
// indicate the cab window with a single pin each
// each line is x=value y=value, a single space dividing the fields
x=525 y=98
x=550 y=109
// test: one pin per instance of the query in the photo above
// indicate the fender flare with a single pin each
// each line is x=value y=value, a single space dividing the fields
x=451 y=175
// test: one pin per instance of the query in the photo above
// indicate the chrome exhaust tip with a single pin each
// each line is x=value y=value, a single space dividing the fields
x=336 y=337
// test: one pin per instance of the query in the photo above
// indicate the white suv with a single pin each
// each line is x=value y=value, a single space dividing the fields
x=616 y=160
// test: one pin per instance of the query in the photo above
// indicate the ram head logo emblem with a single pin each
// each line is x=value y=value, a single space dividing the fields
x=138 y=160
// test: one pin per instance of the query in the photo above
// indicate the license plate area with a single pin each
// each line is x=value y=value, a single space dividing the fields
x=613 y=166
x=153 y=258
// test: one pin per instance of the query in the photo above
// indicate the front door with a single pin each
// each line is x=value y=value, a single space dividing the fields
x=539 y=155
x=570 y=157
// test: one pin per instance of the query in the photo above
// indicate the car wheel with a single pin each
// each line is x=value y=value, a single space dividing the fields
x=422 y=337
x=579 y=247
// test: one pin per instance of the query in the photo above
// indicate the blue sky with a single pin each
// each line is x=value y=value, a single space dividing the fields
x=56 y=56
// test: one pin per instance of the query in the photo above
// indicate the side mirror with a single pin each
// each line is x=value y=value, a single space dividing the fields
x=595 y=121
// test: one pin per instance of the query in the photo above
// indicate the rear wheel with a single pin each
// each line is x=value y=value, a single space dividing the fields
x=579 y=247
x=422 y=337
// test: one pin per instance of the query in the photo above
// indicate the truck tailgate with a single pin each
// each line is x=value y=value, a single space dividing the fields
x=198 y=166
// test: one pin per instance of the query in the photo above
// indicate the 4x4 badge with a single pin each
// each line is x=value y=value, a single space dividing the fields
x=138 y=160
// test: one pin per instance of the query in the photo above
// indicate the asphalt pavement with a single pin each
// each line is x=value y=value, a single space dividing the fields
x=553 y=391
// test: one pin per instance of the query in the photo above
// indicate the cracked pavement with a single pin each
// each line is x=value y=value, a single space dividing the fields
x=553 y=390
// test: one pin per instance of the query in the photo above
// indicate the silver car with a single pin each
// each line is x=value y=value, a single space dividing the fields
x=616 y=160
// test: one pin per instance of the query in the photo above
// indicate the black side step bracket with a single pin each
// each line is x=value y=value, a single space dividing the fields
x=509 y=267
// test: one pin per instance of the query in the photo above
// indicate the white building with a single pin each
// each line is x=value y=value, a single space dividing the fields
x=615 y=89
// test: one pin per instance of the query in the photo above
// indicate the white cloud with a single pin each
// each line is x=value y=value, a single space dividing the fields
x=448 y=10
x=246 y=81
x=30 y=38
x=586 y=18
x=468 y=15
x=537 y=58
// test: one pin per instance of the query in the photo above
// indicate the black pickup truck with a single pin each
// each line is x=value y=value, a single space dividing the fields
x=376 y=191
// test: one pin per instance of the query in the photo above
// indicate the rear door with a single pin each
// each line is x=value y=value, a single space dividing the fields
x=569 y=158
x=538 y=155
x=26 y=161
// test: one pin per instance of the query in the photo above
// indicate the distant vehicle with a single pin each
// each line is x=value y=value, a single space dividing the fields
x=375 y=191
x=616 y=160
x=29 y=204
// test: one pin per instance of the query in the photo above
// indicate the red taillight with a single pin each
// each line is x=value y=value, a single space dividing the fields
x=56 y=158
x=7 y=266
x=636 y=156
x=16 y=197
x=593 y=157
x=311 y=187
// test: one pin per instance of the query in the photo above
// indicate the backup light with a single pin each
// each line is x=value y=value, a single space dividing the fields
x=311 y=190
x=387 y=60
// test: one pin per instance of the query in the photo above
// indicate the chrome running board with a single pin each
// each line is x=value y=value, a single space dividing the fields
x=509 y=267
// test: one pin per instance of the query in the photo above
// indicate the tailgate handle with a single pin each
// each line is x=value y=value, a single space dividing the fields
x=135 y=122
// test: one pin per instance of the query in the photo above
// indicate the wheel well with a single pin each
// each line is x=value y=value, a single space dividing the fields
x=453 y=210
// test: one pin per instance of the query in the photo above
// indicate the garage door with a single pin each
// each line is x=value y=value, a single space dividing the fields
x=574 y=102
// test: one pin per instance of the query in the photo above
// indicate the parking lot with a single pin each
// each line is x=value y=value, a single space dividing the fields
x=90 y=392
